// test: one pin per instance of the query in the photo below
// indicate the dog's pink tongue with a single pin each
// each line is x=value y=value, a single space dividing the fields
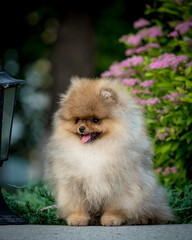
x=86 y=138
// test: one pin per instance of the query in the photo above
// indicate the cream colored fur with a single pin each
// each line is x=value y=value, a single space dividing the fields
x=112 y=177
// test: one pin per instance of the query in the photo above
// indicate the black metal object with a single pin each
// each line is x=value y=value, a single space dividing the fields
x=2 y=94
x=1 y=116
x=8 y=87
x=6 y=82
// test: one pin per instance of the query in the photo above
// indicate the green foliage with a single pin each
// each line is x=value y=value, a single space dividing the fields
x=172 y=130
x=181 y=202
x=29 y=200
x=158 y=73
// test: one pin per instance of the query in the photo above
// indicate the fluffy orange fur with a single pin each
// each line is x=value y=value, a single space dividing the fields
x=99 y=159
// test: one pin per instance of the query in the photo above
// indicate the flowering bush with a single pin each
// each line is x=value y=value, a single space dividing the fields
x=158 y=73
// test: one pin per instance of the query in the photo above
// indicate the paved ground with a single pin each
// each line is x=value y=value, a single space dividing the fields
x=45 y=232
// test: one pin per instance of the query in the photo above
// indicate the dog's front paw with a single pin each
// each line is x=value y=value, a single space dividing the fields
x=112 y=220
x=78 y=220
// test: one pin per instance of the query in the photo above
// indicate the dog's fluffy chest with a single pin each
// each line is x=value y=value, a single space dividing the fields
x=88 y=160
x=93 y=171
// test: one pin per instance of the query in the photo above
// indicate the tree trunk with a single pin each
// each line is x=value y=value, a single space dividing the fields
x=72 y=54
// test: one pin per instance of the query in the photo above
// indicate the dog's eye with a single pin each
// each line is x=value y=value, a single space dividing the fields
x=76 y=120
x=95 y=120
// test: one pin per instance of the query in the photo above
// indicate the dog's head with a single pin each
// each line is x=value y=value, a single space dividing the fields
x=88 y=109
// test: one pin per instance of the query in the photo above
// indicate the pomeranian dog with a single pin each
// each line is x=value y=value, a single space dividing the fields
x=99 y=159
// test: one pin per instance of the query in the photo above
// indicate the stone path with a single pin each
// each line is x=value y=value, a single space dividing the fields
x=45 y=232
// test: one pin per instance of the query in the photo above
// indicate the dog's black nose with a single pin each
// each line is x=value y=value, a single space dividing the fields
x=82 y=129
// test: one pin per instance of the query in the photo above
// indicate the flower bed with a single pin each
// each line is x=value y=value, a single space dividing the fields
x=158 y=73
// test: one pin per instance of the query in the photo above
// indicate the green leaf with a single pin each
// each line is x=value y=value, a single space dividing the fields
x=166 y=148
x=149 y=74
x=188 y=84
x=187 y=136
x=172 y=74
x=175 y=146
x=187 y=99
x=163 y=9
x=189 y=120
x=151 y=121
x=181 y=90
x=165 y=85
x=188 y=71
x=181 y=78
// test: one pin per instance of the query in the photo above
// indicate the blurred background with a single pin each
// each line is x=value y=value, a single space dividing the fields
x=45 y=43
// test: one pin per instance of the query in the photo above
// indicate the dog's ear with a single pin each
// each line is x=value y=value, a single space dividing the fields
x=74 y=80
x=108 y=95
x=62 y=98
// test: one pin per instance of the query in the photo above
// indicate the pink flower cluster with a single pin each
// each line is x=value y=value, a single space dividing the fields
x=168 y=60
x=150 y=101
x=173 y=34
x=163 y=135
x=141 y=23
x=136 y=39
x=135 y=91
x=132 y=61
x=181 y=28
x=117 y=68
x=161 y=112
x=147 y=83
x=114 y=70
x=144 y=48
x=130 y=81
x=167 y=170
x=151 y=32
x=173 y=96
x=188 y=64
x=131 y=39
x=184 y=27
